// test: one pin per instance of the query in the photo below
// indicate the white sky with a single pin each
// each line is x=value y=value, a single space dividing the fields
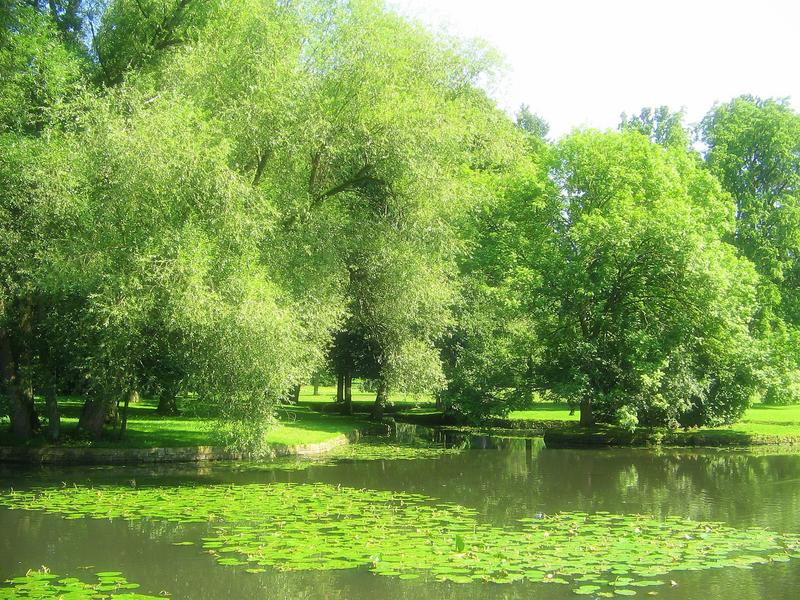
x=583 y=62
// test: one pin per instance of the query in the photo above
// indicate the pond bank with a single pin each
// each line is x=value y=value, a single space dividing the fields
x=152 y=438
x=576 y=437
x=761 y=426
x=66 y=455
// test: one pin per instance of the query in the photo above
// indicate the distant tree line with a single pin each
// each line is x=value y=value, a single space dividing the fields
x=222 y=200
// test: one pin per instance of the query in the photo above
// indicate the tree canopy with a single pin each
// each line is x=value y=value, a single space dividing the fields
x=220 y=199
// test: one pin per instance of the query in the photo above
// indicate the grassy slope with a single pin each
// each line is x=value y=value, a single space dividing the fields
x=778 y=424
x=761 y=423
x=148 y=429
x=302 y=425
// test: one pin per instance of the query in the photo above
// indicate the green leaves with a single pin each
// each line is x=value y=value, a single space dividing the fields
x=39 y=72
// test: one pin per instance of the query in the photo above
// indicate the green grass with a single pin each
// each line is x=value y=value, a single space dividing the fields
x=761 y=424
x=327 y=394
x=766 y=414
x=299 y=425
x=148 y=429
x=545 y=411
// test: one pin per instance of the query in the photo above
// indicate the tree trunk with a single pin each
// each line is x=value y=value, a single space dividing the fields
x=381 y=399
x=131 y=396
x=112 y=412
x=296 y=394
x=168 y=402
x=53 y=414
x=26 y=394
x=347 y=408
x=93 y=417
x=25 y=362
x=19 y=411
x=587 y=418
x=315 y=381
x=340 y=388
x=49 y=374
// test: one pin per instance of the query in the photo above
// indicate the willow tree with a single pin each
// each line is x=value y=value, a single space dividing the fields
x=254 y=177
x=361 y=126
x=402 y=125
x=169 y=253
x=41 y=70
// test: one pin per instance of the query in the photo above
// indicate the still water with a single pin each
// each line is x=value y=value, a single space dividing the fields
x=502 y=479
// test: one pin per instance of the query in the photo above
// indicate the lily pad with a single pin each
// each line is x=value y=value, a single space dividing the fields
x=294 y=527
x=43 y=585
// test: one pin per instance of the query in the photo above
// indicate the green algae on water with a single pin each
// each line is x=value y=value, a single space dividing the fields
x=304 y=527
x=43 y=585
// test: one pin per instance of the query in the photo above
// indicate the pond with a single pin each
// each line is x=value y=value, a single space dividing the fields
x=426 y=515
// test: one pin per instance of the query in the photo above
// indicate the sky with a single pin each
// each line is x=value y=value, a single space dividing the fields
x=583 y=62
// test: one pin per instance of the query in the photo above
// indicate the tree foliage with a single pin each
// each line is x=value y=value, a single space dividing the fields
x=254 y=177
x=220 y=199
x=650 y=307
x=754 y=150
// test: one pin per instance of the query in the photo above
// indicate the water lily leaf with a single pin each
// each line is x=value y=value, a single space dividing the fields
x=294 y=527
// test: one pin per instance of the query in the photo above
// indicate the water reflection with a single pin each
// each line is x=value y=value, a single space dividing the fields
x=504 y=479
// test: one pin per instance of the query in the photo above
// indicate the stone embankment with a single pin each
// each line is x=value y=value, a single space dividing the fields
x=64 y=455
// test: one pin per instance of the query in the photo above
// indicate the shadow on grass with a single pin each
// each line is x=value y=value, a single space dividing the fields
x=147 y=429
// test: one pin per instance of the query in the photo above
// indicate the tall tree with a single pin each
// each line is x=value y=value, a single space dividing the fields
x=754 y=150
x=490 y=350
x=662 y=126
x=531 y=123
x=42 y=70
x=649 y=308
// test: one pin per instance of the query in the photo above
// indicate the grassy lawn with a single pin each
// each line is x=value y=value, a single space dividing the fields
x=304 y=425
x=545 y=411
x=148 y=429
x=761 y=424
x=774 y=415
x=327 y=394
x=300 y=425
x=761 y=421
